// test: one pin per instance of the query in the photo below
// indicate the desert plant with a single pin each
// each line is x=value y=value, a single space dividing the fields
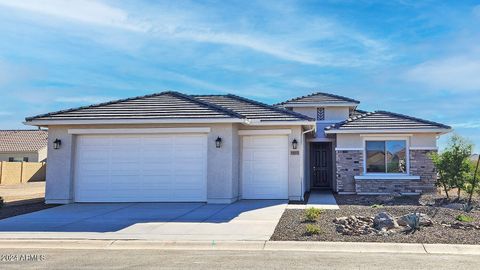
x=472 y=184
x=313 y=229
x=465 y=218
x=377 y=206
x=311 y=214
x=453 y=164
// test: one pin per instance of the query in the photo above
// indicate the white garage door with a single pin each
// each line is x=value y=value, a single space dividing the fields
x=141 y=168
x=265 y=167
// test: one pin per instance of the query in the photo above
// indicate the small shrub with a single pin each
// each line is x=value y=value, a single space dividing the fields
x=377 y=206
x=313 y=229
x=312 y=214
x=465 y=218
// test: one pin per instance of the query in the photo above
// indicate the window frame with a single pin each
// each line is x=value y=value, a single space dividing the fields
x=386 y=138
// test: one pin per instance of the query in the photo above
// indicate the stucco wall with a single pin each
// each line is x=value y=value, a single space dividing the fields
x=334 y=114
x=42 y=154
x=420 y=140
x=223 y=183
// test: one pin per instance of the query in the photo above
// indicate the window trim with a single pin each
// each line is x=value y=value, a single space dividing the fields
x=386 y=138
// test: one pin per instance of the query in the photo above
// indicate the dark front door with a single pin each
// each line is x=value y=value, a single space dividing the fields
x=321 y=165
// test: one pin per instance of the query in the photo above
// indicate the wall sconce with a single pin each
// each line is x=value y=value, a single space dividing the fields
x=294 y=144
x=218 y=142
x=57 y=143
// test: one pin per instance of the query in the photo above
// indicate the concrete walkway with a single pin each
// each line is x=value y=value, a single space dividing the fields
x=323 y=199
x=243 y=220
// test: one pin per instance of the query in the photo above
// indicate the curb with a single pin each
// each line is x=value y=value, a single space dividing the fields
x=350 y=247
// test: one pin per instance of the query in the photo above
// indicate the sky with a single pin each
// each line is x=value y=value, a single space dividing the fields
x=420 y=58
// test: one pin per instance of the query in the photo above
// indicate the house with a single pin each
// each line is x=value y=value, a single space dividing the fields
x=173 y=147
x=23 y=145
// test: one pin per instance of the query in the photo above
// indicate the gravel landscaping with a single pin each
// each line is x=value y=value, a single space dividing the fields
x=293 y=224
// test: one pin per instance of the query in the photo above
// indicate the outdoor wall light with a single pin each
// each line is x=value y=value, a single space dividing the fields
x=294 y=144
x=57 y=143
x=218 y=142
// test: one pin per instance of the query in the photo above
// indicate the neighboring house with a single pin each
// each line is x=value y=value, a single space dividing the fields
x=474 y=157
x=172 y=147
x=23 y=145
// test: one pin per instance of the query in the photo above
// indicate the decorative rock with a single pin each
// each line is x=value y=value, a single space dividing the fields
x=384 y=220
x=425 y=220
x=455 y=206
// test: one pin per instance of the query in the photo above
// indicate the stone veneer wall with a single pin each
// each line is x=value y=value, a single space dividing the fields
x=349 y=164
x=420 y=165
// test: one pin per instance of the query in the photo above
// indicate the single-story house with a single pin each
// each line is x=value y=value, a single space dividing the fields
x=23 y=145
x=173 y=147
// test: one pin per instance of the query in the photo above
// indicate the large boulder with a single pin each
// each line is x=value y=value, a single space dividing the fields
x=384 y=221
x=424 y=219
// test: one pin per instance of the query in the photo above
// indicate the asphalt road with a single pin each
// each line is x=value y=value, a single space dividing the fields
x=182 y=259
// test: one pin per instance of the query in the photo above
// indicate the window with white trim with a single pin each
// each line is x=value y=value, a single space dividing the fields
x=386 y=156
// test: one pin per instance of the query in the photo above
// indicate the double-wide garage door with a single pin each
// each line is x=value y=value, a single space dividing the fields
x=141 y=168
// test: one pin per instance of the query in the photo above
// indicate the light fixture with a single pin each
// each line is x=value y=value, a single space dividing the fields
x=294 y=144
x=57 y=143
x=218 y=142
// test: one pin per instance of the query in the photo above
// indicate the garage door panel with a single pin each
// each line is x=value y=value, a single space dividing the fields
x=265 y=167
x=136 y=168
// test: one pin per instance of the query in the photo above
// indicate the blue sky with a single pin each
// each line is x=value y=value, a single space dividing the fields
x=421 y=59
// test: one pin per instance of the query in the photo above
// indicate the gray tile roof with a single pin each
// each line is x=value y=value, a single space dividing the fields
x=22 y=140
x=251 y=109
x=358 y=112
x=318 y=97
x=165 y=105
x=381 y=120
x=174 y=105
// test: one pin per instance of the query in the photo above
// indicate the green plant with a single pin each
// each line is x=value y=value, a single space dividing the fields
x=313 y=229
x=377 y=206
x=472 y=184
x=465 y=218
x=312 y=214
x=453 y=164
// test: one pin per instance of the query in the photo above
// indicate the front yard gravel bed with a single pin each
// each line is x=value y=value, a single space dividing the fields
x=292 y=225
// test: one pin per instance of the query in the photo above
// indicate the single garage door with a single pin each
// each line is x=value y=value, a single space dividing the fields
x=265 y=167
x=141 y=168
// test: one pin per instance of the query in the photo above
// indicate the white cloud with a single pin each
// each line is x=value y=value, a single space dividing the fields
x=469 y=124
x=292 y=44
x=459 y=73
x=85 y=11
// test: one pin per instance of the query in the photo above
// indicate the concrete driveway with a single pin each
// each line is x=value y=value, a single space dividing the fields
x=243 y=220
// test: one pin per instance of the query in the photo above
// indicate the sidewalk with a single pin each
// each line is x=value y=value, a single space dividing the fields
x=352 y=247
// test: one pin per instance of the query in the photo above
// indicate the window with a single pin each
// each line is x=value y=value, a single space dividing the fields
x=25 y=159
x=386 y=156
x=11 y=159
x=320 y=114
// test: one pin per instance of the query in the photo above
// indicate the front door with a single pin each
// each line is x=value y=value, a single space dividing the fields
x=321 y=165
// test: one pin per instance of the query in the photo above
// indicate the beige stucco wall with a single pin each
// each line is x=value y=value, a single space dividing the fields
x=334 y=114
x=418 y=140
x=32 y=156
x=223 y=172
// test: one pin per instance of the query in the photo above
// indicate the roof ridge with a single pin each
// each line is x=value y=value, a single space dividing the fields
x=282 y=110
x=318 y=93
x=206 y=103
x=414 y=118
x=44 y=130
x=95 y=105
x=348 y=120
